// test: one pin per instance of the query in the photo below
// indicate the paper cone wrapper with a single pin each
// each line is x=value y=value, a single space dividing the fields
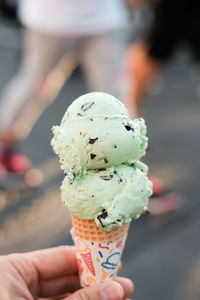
x=98 y=253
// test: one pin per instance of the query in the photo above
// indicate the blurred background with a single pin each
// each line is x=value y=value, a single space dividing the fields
x=162 y=253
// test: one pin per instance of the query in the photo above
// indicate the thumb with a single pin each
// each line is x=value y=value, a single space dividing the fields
x=103 y=291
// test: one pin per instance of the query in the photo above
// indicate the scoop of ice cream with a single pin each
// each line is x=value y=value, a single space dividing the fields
x=111 y=196
x=99 y=149
x=95 y=103
x=96 y=132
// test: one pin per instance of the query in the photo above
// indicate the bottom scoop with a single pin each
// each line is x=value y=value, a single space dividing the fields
x=111 y=196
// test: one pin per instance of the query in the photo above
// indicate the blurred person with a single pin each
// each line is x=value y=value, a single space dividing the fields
x=174 y=24
x=50 y=273
x=92 y=33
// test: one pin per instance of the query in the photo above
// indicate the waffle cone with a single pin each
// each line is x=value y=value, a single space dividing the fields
x=87 y=230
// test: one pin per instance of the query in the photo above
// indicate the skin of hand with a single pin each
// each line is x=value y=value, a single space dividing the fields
x=50 y=273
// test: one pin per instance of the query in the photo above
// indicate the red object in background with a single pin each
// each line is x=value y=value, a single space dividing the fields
x=13 y=161
x=18 y=163
x=158 y=186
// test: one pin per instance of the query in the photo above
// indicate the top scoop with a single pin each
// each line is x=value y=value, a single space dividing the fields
x=96 y=132
x=99 y=148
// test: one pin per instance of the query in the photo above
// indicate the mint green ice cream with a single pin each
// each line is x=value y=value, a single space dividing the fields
x=97 y=131
x=121 y=191
x=99 y=149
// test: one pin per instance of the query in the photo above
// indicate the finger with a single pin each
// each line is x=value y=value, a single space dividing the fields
x=126 y=284
x=54 y=287
x=103 y=291
x=55 y=262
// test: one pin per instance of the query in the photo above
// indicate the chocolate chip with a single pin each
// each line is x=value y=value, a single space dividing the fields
x=86 y=106
x=128 y=128
x=92 y=196
x=80 y=115
x=106 y=177
x=92 y=155
x=115 y=146
x=99 y=170
x=120 y=179
x=105 y=118
x=91 y=119
x=102 y=217
x=92 y=141
x=100 y=221
x=106 y=160
x=71 y=179
x=80 y=133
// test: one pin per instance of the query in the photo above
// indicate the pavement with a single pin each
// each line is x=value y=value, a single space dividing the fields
x=162 y=254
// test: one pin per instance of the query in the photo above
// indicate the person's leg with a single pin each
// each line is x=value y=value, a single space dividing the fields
x=146 y=58
x=41 y=52
x=140 y=70
x=102 y=57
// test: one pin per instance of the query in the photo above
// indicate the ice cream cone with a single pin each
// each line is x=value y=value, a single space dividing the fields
x=98 y=253
x=99 y=148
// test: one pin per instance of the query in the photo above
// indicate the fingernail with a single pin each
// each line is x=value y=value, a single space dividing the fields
x=112 y=290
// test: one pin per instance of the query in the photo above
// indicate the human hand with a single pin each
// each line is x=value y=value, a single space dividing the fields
x=50 y=273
